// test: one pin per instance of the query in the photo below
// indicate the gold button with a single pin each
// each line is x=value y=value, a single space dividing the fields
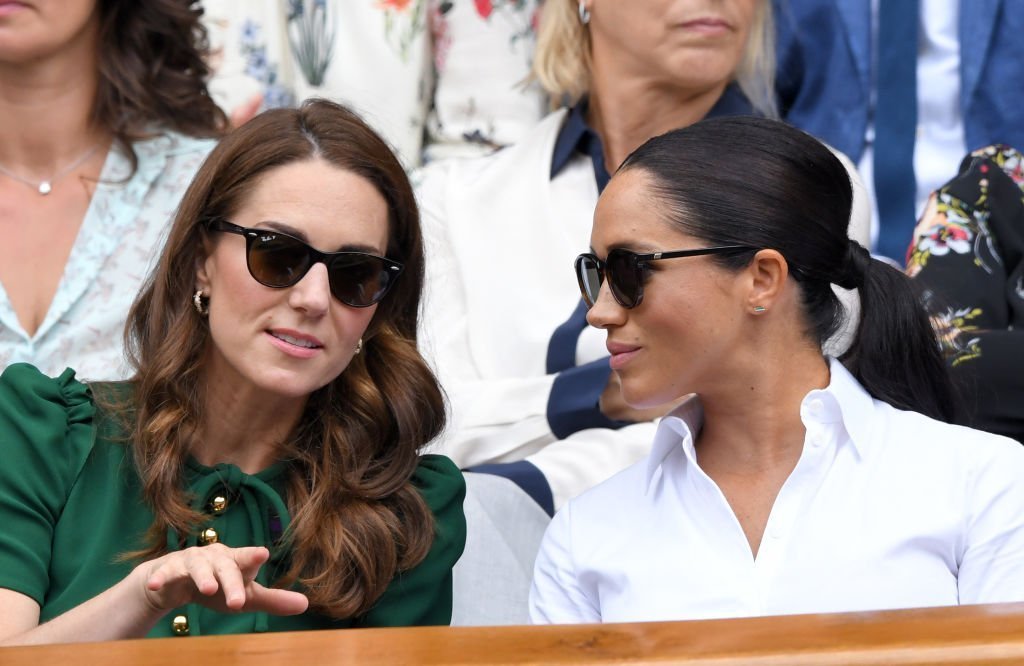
x=218 y=504
x=208 y=536
x=179 y=625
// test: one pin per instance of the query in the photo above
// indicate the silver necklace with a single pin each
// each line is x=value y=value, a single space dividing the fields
x=45 y=186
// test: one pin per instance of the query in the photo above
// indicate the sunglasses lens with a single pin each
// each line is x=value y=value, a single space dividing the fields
x=360 y=280
x=278 y=261
x=588 y=272
x=623 y=277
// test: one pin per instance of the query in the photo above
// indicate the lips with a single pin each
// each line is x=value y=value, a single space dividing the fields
x=297 y=340
x=621 y=354
x=10 y=6
x=295 y=344
x=707 y=24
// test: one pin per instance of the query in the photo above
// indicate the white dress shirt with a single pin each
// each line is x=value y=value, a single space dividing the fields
x=884 y=509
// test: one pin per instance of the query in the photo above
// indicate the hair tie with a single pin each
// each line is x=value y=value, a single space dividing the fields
x=854 y=267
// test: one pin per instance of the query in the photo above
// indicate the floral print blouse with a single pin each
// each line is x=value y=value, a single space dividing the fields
x=968 y=254
x=436 y=78
x=121 y=235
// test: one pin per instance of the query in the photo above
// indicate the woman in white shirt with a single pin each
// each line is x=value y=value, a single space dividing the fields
x=791 y=482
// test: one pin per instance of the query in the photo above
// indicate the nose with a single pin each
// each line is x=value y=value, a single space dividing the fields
x=606 y=311
x=312 y=294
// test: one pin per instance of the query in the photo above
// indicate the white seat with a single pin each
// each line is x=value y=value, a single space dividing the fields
x=504 y=529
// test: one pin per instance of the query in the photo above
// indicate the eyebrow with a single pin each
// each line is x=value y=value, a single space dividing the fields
x=286 y=228
x=635 y=249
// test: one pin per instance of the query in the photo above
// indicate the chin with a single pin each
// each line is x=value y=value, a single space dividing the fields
x=640 y=399
x=292 y=385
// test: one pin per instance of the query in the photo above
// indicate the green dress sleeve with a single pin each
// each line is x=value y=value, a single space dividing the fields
x=423 y=594
x=46 y=434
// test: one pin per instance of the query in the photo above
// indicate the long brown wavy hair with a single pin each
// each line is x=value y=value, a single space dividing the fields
x=356 y=518
x=153 y=71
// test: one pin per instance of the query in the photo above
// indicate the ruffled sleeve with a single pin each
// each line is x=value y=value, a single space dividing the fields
x=46 y=434
x=423 y=595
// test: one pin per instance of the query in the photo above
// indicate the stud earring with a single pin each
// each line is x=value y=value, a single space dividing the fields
x=760 y=309
x=584 y=13
x=202 y=306
x=359 y=346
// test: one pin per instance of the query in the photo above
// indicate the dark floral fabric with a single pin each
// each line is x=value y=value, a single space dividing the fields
x=968 y=254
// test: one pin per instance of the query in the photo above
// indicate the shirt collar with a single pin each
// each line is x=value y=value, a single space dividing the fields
x=844 y=403
x=679 y=427
x=572 y=134
x=578 y=137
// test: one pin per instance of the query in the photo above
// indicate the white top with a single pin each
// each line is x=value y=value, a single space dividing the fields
x=941 y=140
x=885 y=509
x=500 y=237
x=121 y=235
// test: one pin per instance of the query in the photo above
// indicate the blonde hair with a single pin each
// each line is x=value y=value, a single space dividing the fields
x=562 y=61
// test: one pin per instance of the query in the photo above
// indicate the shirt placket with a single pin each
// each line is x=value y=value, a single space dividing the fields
x=791 y=501
x=729 y=543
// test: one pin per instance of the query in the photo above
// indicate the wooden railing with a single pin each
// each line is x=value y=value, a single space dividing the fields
x=967 y=635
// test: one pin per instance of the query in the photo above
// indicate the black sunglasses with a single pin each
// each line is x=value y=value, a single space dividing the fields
x=278 y=260
x=626 y=271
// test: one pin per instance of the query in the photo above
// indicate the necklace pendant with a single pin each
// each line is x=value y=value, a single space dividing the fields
x=45 y=187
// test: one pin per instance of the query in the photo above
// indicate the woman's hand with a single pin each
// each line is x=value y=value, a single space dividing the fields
x=218 y=577
x=215 y=576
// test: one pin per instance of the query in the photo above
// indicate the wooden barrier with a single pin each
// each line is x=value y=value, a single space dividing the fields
x=991 y=634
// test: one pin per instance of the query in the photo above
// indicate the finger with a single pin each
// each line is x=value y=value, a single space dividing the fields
x=231 y=583
x=275 y=601
x=249 y=560
x=201 y=571
x=156 y=579
x=166 y=570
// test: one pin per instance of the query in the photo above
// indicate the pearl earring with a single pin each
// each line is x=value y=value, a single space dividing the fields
x=584 y=13
x=202 y=306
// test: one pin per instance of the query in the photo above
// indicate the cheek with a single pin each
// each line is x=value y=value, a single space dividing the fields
x=351 y=323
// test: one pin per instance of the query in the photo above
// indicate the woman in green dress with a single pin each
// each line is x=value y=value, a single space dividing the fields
x=261 y=471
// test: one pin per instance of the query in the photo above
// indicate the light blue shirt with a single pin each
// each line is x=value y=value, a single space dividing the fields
x=121 y=235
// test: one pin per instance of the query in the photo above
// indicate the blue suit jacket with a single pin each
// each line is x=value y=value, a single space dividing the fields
x=824 y=70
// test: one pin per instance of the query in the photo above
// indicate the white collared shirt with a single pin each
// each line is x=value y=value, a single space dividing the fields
x=884 y=509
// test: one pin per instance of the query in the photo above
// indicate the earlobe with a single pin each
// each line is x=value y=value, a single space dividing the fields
x=768 y=273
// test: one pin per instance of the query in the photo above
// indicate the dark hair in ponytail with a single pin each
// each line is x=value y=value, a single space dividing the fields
x=763 y=184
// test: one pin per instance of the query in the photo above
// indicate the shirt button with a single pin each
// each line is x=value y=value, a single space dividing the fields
x=218 y=504
x=208 y=536
x=815 y=408
x=179 y=625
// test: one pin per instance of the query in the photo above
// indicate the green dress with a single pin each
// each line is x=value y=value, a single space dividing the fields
x=71 y=505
